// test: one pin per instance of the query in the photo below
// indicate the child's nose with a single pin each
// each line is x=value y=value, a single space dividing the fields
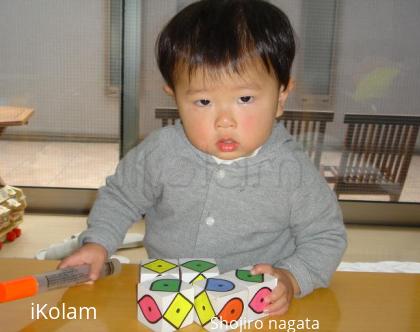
x=225 y=119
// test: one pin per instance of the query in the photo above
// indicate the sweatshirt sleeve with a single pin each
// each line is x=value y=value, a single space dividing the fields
x=125 y=197
x=317 y=227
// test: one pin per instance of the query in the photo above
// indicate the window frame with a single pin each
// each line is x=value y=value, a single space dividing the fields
x=80 y=201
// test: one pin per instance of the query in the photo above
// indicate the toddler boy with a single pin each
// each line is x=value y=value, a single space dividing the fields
x=228 y=182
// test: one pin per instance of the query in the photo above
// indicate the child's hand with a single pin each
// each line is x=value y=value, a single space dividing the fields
x=90 y=253
x=281 y=296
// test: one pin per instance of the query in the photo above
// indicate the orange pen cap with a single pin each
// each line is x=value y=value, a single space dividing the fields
x=18 y=288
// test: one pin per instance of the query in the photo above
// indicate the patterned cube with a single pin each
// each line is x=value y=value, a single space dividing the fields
x=259 y=286
x=194 y=269
x=219 y=303
x=152 y=268
x=165 y=304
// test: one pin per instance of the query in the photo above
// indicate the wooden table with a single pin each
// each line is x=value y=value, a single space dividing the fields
x=354 y=302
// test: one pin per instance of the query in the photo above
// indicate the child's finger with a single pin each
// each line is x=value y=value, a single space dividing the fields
x=278 y=292
x=95 y=269
x=280 y=312
x=280 y=306
x=69 y=261
x=262 y=268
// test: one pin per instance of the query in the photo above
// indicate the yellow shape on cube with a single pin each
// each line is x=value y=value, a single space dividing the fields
x=203 y=308
x=159 y=266
x=178 y=310
x=197 y=278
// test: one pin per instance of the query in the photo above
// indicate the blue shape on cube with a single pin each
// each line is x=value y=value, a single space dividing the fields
x=219 y=285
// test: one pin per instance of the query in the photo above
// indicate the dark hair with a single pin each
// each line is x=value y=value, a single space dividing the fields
x=217 y=34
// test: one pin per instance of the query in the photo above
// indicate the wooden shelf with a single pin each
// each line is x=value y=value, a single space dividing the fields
x=14 y=116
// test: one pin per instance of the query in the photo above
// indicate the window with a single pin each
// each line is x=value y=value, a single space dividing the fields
x=316 y=74
x=356 y=61
x=115 y=42
x=53 y=59
x=353 y=58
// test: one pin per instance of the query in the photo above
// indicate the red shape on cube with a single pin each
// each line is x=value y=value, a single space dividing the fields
x=150 y=309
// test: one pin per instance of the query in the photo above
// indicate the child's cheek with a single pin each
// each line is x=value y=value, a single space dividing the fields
x=249 y=123
x=201 y=135
x=201 y=128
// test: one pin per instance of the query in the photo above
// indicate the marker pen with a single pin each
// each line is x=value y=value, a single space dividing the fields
x=31 y=285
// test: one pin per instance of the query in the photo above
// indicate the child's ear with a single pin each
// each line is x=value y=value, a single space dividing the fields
x=168 y=90
x=283 y=94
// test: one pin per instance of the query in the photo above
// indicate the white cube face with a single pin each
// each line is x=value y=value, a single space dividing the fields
x=196 y=269
x=153 y=268
x=165 y=304
x=219 y=302
x=259 y=286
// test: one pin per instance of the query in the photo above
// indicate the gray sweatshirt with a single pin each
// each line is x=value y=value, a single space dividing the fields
x=272 y=208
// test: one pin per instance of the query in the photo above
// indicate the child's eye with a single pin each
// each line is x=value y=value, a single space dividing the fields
x=246 y=99
x=202 y=102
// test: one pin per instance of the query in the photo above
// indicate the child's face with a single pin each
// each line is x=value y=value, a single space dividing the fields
x=231 y=115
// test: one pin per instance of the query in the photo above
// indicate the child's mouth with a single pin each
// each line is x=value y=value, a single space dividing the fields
x=227 y=145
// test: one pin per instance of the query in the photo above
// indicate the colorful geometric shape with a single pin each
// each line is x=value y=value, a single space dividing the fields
x=199 y=265
x=166 y=285
x=257 y=303
x=246 y=275
x=219 y=285
x=231 y=311
x=159 y=266
x=150 y=309
x=178 y=310
x=198 y=278
x=203 y=308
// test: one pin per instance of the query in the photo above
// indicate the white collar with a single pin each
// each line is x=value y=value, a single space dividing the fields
x=228 y=162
